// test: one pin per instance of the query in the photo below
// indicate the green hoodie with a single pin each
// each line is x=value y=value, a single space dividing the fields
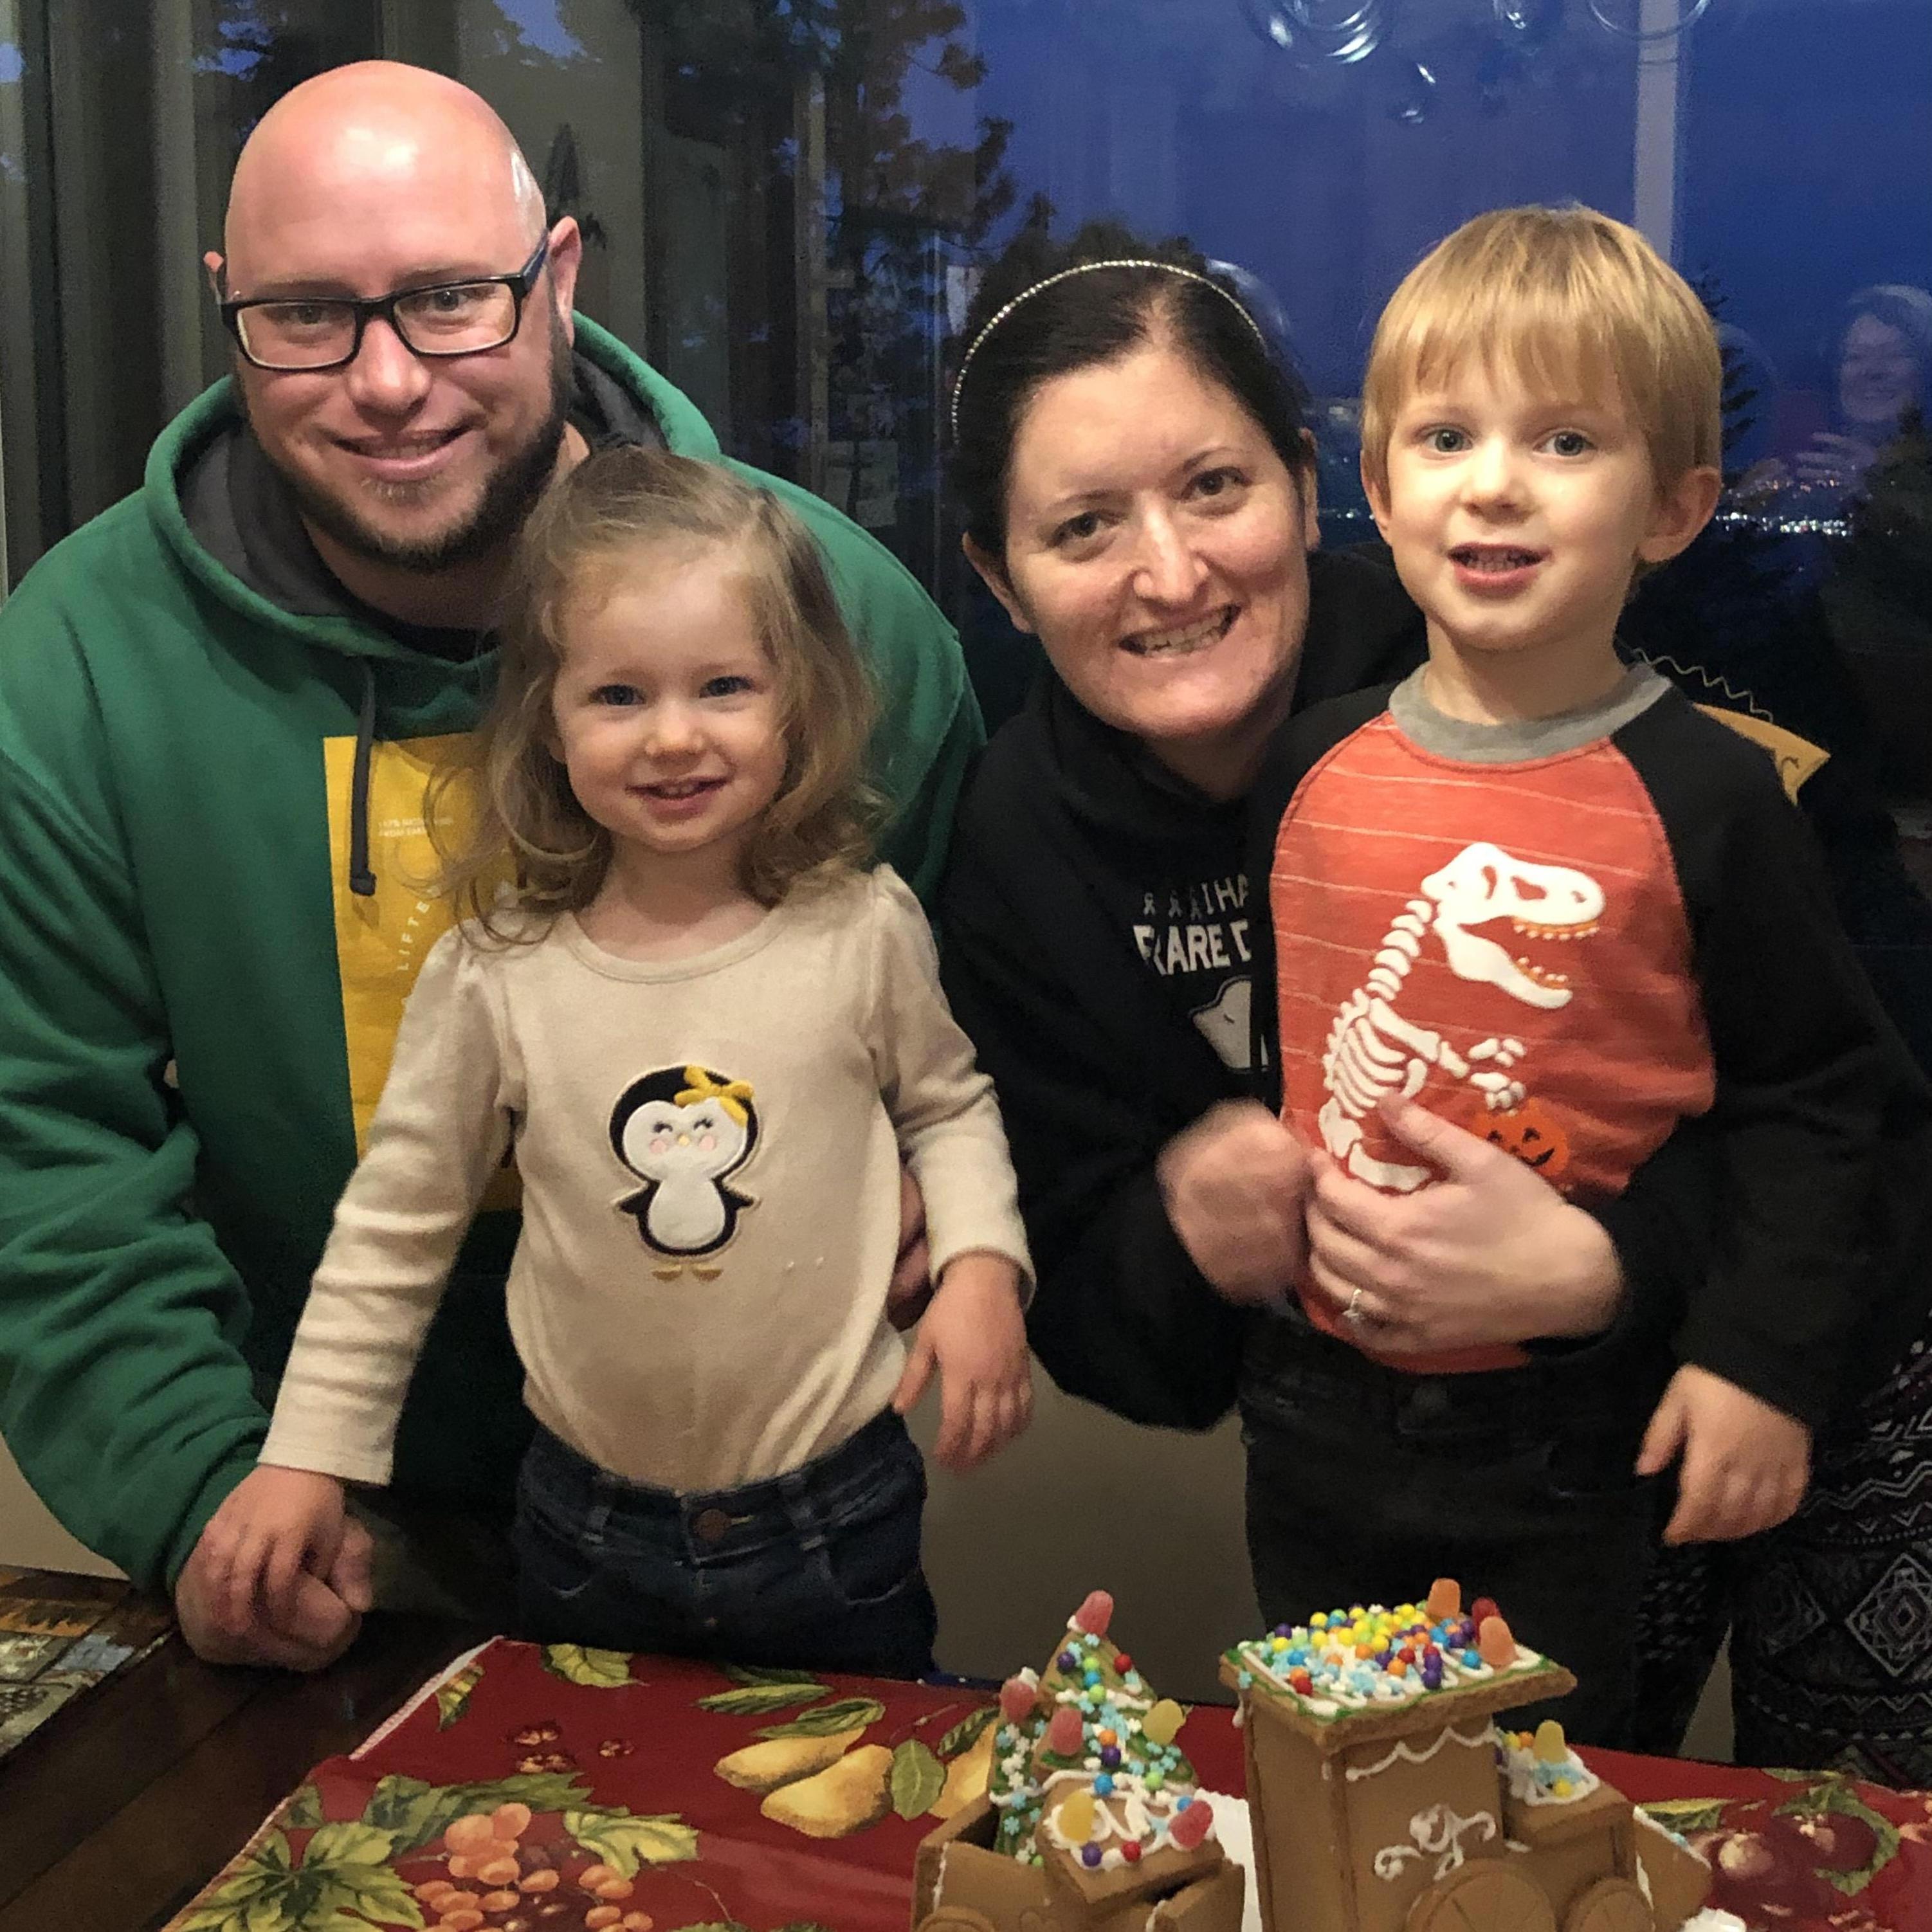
x=178 y=1016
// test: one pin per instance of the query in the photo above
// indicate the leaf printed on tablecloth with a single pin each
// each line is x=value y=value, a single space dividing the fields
x=965 y=1734
x=765 y=1673
x=254 y=1880
x=1853 y=1843
x=597 y=1669
x=845 y=1714
x=344 y=1878
x=1686 y=1815
x=625 y=1842
x=917 y=1778
x=303 y=1811
x=418 y=1814
x=452 y=1696
x=759 y=1700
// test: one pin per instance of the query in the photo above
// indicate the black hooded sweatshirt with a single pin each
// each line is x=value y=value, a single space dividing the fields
x=1095 y=950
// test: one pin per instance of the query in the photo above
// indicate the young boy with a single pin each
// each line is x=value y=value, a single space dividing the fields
x=1535 y=889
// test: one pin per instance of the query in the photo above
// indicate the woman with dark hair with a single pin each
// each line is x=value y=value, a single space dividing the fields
x=1878 y=381
x=1137 y=487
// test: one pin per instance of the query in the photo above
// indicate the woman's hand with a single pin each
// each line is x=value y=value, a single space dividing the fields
x=1830 y=462
x=1234 y=1185
x=1491 y=1253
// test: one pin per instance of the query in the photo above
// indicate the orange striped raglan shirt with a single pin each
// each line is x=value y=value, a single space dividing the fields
x=1492 y=920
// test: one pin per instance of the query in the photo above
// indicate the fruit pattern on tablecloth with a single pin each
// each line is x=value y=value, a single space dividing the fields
x=563 y=1790
x=619 y=1763
x=1817 y=1850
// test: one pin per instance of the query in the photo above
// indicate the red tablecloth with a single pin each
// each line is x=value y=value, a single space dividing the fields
x=592 y=1766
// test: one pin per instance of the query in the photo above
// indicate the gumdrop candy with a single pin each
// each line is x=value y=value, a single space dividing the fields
x=1075 y=1816
x=1494 y=1644
x=1017 y=1699
x=1483 y=1606
x=1188 y=1828
x=1095 y=1613
x=1162 y=1723
x=1445 y=1600
x=1552 y=1746
x=1063 y=1734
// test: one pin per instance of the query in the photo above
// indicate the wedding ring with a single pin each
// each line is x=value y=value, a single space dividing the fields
x=1355 y=1311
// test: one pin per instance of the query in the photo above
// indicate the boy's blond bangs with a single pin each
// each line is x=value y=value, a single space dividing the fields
x=1567 y=303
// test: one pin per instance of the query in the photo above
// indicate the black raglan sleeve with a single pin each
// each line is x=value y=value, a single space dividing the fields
x=1120 y=1315
x=1817 y=1101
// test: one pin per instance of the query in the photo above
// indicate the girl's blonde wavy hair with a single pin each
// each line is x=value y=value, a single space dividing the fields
x=630 y=509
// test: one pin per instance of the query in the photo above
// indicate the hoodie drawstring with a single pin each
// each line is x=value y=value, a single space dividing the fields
x=362 y=880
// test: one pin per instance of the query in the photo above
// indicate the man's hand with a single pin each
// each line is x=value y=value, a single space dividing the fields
x=1745 y=1463
x=1491 y=1253
x=279 y=1576
x=975 y=1336
x=1234 y=1184
x=910 y=1288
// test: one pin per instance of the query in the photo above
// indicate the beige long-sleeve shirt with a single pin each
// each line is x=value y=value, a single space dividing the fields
x=710 y=1151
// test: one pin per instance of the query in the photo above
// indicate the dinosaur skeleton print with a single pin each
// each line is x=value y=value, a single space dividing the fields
x=1372 y=1051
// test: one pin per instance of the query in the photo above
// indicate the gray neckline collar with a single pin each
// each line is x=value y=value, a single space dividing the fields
x=1431 y=730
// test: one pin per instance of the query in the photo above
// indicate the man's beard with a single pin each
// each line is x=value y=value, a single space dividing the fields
x=509 y=494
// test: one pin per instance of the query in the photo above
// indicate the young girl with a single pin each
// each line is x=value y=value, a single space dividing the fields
x=710 y=1040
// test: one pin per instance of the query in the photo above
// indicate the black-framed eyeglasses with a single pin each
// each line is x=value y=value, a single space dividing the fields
x=309 y=332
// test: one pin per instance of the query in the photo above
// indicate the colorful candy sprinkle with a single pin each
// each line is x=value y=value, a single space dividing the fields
x=1162 y=1723
x=1075 y=1816
x=1189 y=1824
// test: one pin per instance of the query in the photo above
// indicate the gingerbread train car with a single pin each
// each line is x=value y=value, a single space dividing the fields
x=1383 y=1797
x=1093 y=1820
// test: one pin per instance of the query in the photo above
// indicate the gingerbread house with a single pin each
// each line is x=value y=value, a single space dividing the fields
x=1383 y=1799
x=1093 y=1820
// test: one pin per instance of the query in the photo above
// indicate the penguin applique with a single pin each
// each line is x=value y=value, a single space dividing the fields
x=681 y=1130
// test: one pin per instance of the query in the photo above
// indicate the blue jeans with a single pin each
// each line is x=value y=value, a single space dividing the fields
x=1365 y=1483
x=818 y=1569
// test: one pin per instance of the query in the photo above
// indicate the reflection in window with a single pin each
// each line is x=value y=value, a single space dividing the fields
x=785 y=207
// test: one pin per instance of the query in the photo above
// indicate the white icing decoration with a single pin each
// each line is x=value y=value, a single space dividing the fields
x=1407 y=1754
x=1664 y=1831
x=1126 y=1813
x=1526 y=1773
x=1438 y=1833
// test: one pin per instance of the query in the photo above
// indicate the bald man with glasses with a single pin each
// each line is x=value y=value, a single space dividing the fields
x=220 y=704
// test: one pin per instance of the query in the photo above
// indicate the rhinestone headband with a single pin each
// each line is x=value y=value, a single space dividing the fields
x=1087 y=268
